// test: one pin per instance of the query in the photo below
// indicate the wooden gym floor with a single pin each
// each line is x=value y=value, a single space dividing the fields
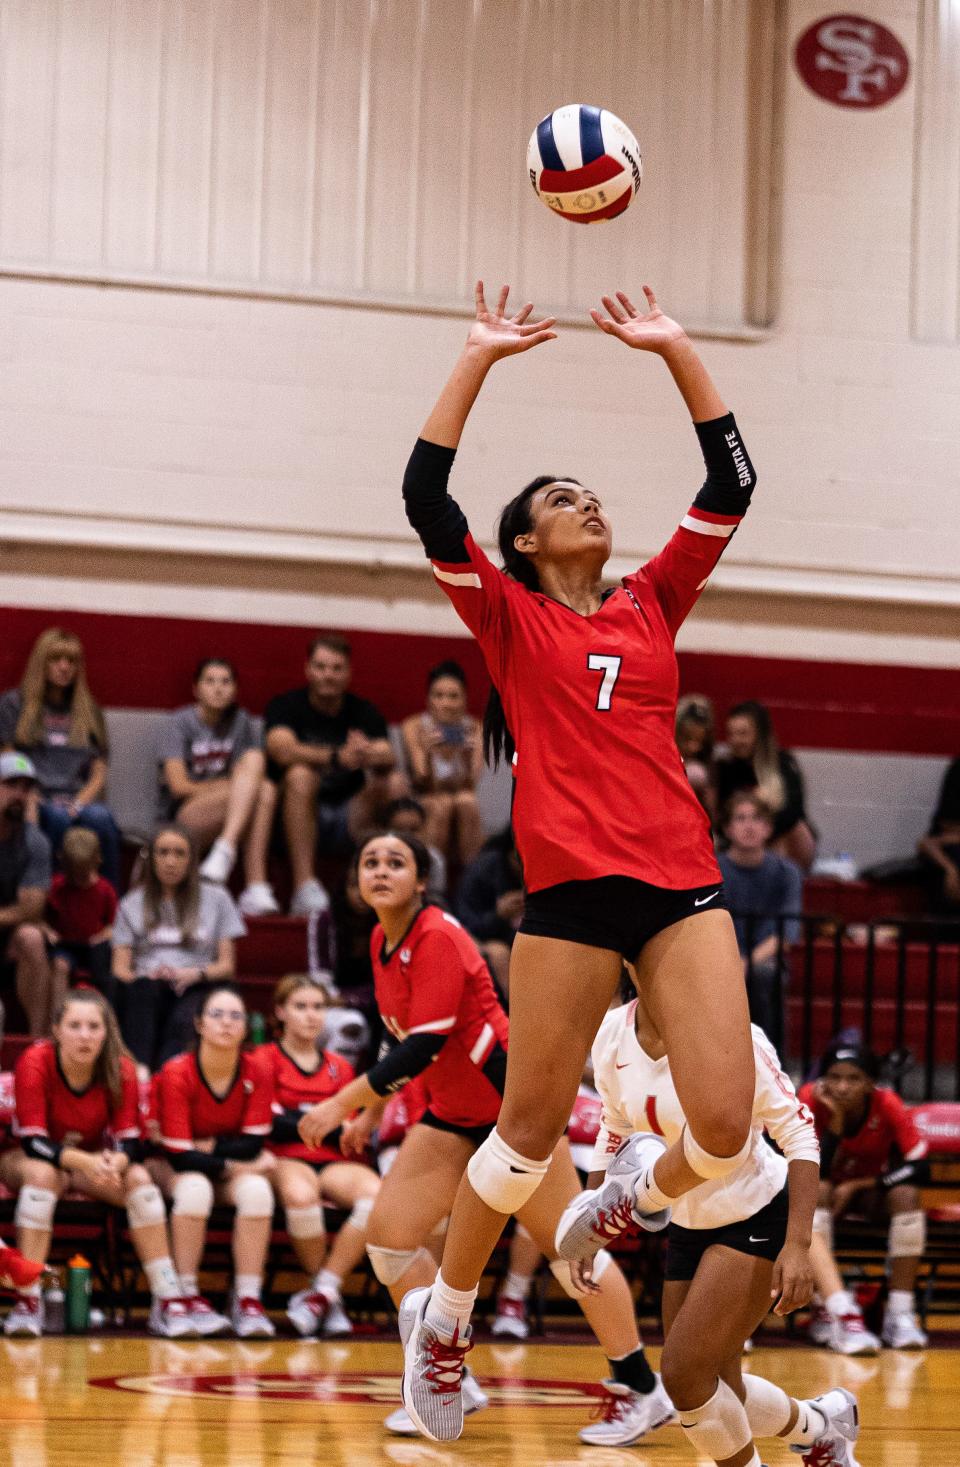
x=111 y=1401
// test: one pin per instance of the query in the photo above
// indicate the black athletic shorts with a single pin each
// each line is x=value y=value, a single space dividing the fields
x=476 y=1134
x=615 y=912
x=762 y=1236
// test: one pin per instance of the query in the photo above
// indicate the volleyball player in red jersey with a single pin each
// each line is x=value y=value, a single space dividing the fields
x=446 y=1025
x=215 y=1114
x=78 y=1125
x=616 y=850
x=299 y=1077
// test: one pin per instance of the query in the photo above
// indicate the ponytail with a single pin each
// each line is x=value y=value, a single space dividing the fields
x=498 y=742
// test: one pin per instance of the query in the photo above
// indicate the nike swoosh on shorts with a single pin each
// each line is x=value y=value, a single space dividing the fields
x=758 y=1240
x=702 y=901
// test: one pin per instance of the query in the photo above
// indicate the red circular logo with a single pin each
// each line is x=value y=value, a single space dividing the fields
x=852 y=61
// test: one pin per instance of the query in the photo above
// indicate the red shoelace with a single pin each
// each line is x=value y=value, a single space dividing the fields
x=820 y=1455
x=445 y=1370
x=619 y=1220
x=610 y=1407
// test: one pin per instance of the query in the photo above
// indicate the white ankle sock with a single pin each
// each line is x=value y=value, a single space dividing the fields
x=842 y=1302
x=189 y=1285
x=162 y=1278
x=449 y=1310
x=247 y=1286
x=901 y=1301
x=811 y=1423
x=516 y=1286
x=327 y=1283
x=650 y=1197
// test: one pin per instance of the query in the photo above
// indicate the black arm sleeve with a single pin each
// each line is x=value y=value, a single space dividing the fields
x=198 y=1161
x=238 y=1148
x=828 y=1150
x=437 y=519
x=41 y=1148
x=908 y=1173
x=134 y=1148
x=404 y=1061
x=285 y=1127
x=730 y=474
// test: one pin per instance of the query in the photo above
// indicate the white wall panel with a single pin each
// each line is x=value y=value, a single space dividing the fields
x=936 y=236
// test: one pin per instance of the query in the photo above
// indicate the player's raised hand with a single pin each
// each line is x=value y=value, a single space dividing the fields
x=496 y=334
x=646 y=331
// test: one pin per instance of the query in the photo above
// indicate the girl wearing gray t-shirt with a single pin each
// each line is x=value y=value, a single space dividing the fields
x=172 y=937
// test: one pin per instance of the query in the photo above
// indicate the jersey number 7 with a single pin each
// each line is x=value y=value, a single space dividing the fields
x=610 y=667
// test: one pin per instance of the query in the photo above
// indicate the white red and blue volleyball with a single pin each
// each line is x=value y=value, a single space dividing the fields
x=584 y=163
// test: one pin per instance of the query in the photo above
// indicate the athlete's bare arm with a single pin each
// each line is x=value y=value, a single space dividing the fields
x=654 y=332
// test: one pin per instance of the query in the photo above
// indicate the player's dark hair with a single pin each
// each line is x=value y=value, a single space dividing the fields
x=106 y=1066
x=208 y=998
x=514 y=520
x=414 y=844
x=448 y=668
x=333 y=642
x=206 y=662
x=841 y=1053
x=403 y=803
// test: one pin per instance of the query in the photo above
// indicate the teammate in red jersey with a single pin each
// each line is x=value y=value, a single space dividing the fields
x=616 y=849
x=300 y=1076
x=78 y=1125
x=873 y=1162
x=215 y=1113
x=445 y=1025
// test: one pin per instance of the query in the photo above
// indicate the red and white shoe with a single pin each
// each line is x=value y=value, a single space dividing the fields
x=26 y=1316
x=510 y=1319
x=17 y=1272
x=172 y=1319
x=204 y=1318
x=850 y=1336
x=250 y=1320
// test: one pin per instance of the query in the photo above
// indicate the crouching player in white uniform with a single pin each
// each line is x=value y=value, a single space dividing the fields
x=734 y=1245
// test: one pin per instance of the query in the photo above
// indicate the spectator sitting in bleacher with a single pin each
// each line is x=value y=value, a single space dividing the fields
x=78 y=1124
x=764 y=893
x=940 y=847
x=213 y=773
x=445 y=757
x=330 y=752
x=694 y=732
x=755 y=761
x=872 y=1162
x=55 y=719
x=172 y=938
x=299 y=1074
x=215 y=1114
x=410 y=816
x=354 y=922
x=24 y=879
x=81 y=907
x=490 y=903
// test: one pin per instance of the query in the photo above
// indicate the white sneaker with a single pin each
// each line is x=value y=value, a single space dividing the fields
x=835 y=1447
x=204 y=1318
x=850 y=1336
x=306 y=1311
x=26 y=1317
x=219 y=863
x=510 y=1319
x=474 y=1399
x=171 y=1318
x=903 y=1332
x=821 y=1325
x=624 y=1416
x=258 y=900
x=336 y=1324
x=309 y=897
x=432 y=1383
x=594 y=1219
x=250 y=1320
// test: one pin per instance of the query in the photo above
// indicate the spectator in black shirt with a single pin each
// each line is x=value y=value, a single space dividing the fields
x=24 y=880
x=330 y=753
x=755 y=761
x=940 y=847
x=490 y=902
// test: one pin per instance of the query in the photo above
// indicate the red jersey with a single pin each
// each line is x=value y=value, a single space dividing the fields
x=89 y=1119
x=78 y=912
x=591 y=701
x=888 y=1133
x=297 y=1089
x=436 y=982
x=189 y=1111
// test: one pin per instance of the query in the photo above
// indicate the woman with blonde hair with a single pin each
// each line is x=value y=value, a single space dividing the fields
x=54 y=717
x=755 y=761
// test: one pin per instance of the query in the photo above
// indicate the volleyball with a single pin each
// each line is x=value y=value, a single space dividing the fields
x=584 y=163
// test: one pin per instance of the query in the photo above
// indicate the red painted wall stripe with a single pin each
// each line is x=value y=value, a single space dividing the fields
x=148 y=662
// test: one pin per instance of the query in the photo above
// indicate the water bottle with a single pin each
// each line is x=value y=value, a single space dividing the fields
x=258 y=1028
x=54 y=1317
x=78 y=1295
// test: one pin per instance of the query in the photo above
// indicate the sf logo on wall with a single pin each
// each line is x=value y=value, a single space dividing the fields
x=852 y=61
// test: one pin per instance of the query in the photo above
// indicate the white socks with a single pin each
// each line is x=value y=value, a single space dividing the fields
x=650 y=1197
x=449 y=1310
x=840 y=1303
x=327 y=1283
x=901 y=1301
x=811 y=1423
x=189 y=1285
x=516 y=1286
x=247 y=1286
x=163 y=1280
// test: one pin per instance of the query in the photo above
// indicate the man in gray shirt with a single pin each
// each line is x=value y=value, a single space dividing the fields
x=24 y=881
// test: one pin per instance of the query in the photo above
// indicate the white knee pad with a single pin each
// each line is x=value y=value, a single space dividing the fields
x=766 y=1405
x=719 y=1428
x=560 y=1269
x=360 y=1213
x=35 y=1208
x=501 y=1177
x=908 y=1235
x=823 y=1225
x=305 y=1222
x=192 y=1195
x=711 y=1167
x=390 y=1264
x=145 y=1207
x=252 y=1196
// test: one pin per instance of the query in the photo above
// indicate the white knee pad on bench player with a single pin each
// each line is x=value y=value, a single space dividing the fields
x=252 y=1196
x=501 y=1177
x=823 y=1225
x=192 y=1195
x=390 y=1264
x=908 y=1235
x=711 y=1167
x=145 y=1207
x=360 y=1213
x=35 y=1208
x=305 y=1222
x=560 y=1269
